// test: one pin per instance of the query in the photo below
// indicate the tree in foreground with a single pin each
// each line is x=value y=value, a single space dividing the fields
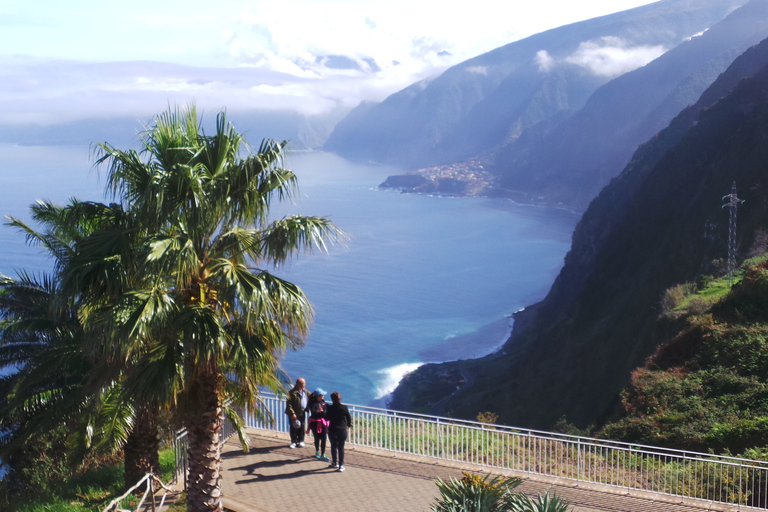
x=205 y=321
x=54 y=384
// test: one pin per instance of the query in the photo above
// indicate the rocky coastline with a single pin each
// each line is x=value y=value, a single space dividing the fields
x=424 y=389
x=430 y=388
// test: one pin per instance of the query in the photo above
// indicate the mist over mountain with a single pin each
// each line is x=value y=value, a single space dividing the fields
x=556 y=115
x=660 y=223
x=303 y=131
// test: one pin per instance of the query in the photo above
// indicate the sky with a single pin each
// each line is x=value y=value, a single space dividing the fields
x=63 y=61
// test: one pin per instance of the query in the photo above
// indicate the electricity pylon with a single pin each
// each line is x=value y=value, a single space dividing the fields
x=732 y=204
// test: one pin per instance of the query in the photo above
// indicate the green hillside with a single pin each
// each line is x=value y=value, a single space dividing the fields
x=706 y=387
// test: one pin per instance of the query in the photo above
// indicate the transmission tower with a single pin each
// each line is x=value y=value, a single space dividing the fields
x=732 y=204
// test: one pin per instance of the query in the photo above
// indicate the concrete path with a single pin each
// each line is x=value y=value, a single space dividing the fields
x=274 y=478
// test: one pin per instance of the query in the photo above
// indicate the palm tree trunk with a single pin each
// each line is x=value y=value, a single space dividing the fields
x=141 y=447
x=205 y=436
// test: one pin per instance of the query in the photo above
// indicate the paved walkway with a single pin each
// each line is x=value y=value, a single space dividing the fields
x=274 y=478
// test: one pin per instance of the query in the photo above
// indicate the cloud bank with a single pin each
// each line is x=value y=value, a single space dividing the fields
x=64 y=62
x=612 y=56
x=607 y=57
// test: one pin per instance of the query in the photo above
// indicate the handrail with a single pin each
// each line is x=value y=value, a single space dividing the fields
x=148 y=478
x=714 y=478
x=180 y=446
x=543 y=433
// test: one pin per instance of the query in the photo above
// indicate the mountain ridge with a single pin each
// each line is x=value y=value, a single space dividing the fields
x=412 y=127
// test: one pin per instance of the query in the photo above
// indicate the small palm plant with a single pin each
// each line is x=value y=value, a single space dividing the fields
x=520 y=502
x=473 y=493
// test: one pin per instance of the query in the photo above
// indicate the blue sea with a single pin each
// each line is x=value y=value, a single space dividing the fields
x=421 y=279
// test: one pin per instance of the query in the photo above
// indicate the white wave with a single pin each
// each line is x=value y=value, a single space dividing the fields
x=391 y=377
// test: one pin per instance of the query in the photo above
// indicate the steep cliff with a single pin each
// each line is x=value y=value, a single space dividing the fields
x=657 y=224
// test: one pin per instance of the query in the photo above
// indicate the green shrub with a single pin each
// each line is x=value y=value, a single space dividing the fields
x=519 y=502
x=672 y=298
x=488 y=417
x=53 y=487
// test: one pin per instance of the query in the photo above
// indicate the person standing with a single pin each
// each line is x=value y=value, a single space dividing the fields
x=296 y=406
x=339 y=421
x=318 y=423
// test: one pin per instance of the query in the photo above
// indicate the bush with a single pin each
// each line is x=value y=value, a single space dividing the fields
x=52 y=486
x=672 y=298
x=473 y=493
x=488 y=417
x=522 y=503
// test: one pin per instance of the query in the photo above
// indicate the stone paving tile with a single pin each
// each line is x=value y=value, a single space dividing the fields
x=275 y=478
x=278 y=479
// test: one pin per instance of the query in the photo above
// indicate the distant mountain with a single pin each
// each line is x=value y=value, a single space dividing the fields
x=555 y=115
x=658 y=224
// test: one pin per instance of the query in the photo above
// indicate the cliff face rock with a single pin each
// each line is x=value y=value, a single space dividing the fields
x=658 y=224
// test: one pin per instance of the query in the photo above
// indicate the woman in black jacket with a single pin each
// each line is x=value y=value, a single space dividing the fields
x=339 y=421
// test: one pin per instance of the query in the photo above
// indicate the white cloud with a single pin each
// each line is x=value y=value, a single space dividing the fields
x=478 y=70
x=697 y=34
x=612 y=56
x=544 y=60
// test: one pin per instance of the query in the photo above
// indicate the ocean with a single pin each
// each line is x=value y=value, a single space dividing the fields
x=421 y=279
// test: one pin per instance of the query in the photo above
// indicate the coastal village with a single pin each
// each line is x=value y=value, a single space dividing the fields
x=467 y=178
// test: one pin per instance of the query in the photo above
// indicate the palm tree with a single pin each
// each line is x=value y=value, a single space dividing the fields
x=39 y=343
x=207 y=319
x=41 y=336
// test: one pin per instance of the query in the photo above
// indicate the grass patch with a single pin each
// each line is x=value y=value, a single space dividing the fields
x=89 y=490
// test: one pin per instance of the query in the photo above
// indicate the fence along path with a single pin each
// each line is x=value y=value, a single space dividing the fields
x=267 y=478
x=664 y=472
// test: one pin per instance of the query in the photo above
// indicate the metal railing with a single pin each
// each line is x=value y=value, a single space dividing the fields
x=673 y=472
x=180 y=447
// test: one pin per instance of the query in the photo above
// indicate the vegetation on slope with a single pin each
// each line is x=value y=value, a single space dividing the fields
x=42 y=479
x=706 y=387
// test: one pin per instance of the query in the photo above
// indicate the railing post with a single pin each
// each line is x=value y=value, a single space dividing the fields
x=741 y=485
x=578 y=459
x=441 y=439
x=530 y=451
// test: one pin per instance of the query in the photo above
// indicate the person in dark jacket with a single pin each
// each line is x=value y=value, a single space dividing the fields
x=296 y=406
x=318 y=423
x=339 y=421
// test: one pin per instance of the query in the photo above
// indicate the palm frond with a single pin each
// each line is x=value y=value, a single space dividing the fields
x=296 y=233
x=239 y=425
